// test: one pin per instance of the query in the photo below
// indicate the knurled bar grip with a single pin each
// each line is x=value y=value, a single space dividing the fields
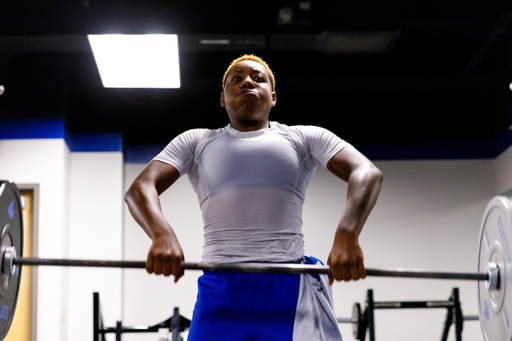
x=256 y=267
x=80 y=263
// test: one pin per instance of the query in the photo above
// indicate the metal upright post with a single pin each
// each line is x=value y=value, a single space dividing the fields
x=98 y=332
x=447 y=323
x=175 y=325
x=370 y=307
x=119 y=330
x=95 y=317
x=459 y=319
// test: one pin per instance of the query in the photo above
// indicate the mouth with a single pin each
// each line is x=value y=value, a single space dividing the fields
x=248 y=93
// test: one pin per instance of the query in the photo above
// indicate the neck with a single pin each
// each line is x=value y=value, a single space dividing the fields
x=249 y=125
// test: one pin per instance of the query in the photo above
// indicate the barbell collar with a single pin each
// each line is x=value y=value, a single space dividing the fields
x=493 y=271
x=347 y=320
x=8 y=266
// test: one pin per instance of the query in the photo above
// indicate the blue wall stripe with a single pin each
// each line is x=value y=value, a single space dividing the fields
x=95 y=142
x=380 y=151
x=502 y=143
x=141 y=153
x=99 y=142
x=14 y=129
x=437 y=151
x=31 y=129
x=427 y=151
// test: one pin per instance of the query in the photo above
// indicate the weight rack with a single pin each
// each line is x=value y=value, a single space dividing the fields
x=452 y=305
x=176 y=324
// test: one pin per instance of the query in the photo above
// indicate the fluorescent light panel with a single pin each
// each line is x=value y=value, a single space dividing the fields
x=137 y=61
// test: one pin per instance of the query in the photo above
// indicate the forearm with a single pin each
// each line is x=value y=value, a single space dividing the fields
x=144 y=204
x=364 y=180
x=363 y=190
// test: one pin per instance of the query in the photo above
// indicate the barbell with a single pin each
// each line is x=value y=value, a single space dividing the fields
x=494 y=264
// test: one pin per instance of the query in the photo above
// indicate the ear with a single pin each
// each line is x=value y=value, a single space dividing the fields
x=274 y=99
x=222 y=100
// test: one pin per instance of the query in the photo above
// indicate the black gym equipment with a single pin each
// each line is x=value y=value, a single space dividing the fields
x=176 y=324
x=364 y=320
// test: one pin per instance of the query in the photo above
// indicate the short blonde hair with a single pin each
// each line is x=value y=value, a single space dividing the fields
x=255 y=59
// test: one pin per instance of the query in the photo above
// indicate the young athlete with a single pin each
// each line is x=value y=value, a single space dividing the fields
x=250 y=178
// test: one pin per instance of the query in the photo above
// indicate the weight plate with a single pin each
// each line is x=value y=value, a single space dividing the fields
x=356 y=314
x=359 y=327
x=494 y=306
x=11 y=224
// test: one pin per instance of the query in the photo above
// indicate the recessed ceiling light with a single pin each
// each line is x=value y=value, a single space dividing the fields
x=137 y=61
x=215 y=42
x=371 y=42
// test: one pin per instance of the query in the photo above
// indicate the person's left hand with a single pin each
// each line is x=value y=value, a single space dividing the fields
x=346 y=258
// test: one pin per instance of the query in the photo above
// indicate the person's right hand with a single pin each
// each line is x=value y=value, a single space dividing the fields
x=165 y=256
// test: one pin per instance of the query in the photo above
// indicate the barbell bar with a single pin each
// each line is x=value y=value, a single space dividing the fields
x=254 y=267
x=494 y=264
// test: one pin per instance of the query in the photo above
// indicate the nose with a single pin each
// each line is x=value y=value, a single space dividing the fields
x=248 y=83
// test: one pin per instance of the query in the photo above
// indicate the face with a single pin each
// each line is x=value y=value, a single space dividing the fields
x=248 y=95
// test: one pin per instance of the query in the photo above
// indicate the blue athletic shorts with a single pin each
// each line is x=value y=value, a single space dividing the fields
x=246 y=306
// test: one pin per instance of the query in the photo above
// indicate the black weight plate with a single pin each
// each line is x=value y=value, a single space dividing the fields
x=11 y=224
x=359 y=328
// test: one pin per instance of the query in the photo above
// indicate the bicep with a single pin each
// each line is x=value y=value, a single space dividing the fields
x=346 y=161
x=158 y=174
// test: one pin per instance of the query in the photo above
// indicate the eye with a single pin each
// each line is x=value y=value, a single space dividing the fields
x=236 y=78
x=259 y=78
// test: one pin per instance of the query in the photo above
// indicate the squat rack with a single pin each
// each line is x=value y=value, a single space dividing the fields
x=176 y=324
x=366 y=320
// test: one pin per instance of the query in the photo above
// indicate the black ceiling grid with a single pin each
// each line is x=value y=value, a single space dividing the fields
x=396 y=71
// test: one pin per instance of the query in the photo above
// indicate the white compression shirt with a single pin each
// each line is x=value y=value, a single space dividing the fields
x=251 y=186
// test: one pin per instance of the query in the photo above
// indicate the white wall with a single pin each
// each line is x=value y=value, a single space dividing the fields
x=45 y=162
x=428 y=216
x=150 y=299
x=80 y=216
x=96 y=219
x=502 y=172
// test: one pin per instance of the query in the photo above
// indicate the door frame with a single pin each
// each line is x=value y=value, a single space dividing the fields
x=35 y=242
